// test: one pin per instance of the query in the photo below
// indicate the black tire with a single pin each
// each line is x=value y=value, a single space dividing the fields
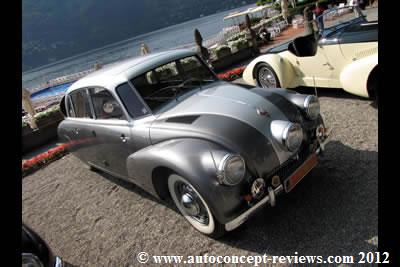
x=372 y=86
x=265 y=67
x=212 y=228
x=92 y=168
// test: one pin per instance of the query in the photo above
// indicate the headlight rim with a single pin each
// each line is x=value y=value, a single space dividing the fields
x=307 y=101
x=285 y=135
x=222 y=169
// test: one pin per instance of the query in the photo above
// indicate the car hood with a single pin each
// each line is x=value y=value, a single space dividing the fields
x=230 y=101
x=225 y=113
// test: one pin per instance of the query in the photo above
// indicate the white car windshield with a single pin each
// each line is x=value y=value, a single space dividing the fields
x=335 y=17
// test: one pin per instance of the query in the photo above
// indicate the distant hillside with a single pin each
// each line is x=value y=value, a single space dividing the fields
x=53 y=30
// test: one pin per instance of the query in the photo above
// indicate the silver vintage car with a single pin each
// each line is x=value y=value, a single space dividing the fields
x=165 y=122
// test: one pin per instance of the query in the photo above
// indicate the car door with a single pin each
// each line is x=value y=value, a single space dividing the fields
x=313 y=70
x=76 y=127
x=111 y=130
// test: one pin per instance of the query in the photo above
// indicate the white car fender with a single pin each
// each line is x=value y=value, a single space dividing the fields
x=354 y=76
x=282 y=67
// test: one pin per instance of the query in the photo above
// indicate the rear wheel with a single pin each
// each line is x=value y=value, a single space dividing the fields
x=193 y=207
x=372 y=85
x=266 y=76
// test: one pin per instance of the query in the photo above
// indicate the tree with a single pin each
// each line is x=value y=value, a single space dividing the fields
x=285 y=10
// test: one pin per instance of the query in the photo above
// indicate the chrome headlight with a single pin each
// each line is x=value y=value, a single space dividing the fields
x=290 y=135
x=311 y=107
x=231 y=170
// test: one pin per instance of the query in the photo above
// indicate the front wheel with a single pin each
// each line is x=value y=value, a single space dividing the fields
x=193 y=207
x=266 y=76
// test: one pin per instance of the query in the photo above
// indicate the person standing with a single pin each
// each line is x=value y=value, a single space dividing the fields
x=144 y=49
x=285 y=10
x=318 y=11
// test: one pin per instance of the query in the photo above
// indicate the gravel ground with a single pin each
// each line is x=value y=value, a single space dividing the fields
x=91 y=219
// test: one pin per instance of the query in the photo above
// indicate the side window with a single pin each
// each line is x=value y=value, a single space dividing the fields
x=104 y=104
x=131 y=101
x=81 y=105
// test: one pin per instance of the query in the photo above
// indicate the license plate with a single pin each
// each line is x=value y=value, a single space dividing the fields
x=296 y=177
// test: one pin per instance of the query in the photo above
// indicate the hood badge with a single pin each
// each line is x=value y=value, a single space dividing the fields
x=262 y=112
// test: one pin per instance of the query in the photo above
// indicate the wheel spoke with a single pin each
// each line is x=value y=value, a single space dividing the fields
x=266 y=78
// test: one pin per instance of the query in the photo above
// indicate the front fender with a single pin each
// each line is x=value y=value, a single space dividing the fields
x=282 y=67
x=354 y=77
x=194 y=159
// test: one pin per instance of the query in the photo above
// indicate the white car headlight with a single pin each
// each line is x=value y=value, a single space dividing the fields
x=311 y=107
x=231 y=170
x=288 y=134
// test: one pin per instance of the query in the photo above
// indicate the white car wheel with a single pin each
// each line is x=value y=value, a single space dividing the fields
x=266 y=77
x=193 y=206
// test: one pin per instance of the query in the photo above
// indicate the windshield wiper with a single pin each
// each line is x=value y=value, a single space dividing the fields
x=176 y=89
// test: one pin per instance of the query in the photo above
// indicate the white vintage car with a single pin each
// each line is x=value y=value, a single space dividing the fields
x=344 y=54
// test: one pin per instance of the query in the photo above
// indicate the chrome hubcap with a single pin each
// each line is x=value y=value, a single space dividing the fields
x=191 y=203
x=266 y=78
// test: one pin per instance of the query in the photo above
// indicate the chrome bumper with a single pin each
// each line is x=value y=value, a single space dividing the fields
x=270 y=198
x=245 y=215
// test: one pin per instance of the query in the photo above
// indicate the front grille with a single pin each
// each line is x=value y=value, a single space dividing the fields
x=288 y=167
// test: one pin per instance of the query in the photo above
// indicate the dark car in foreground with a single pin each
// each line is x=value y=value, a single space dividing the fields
x=165 y=122
x=36 y=252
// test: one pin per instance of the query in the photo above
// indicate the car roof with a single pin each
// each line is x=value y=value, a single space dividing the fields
x=114 y=74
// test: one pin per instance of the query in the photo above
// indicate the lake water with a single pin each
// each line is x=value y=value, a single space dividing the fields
x=171 y=37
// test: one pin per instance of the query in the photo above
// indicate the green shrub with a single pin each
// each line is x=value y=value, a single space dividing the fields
x=237 y=36
x=239 y=44
x=222 y=51
x=53 y=111
x=263 y=2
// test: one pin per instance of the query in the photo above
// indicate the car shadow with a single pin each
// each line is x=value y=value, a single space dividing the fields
x=130 y=186
x=328 y=92
x=333 y=211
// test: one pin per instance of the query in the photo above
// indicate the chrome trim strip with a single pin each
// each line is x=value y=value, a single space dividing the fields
x=245 y=215
x=59 y=262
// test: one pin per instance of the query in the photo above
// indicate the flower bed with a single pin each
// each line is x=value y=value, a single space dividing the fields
x=232 y=74
x=31 y=165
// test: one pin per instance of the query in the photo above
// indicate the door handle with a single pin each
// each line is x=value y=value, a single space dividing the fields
x=124 y=139
x=94 y=133
x=76 y=131
x=329 y=65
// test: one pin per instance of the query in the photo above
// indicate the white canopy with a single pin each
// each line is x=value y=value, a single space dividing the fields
x=250 y=10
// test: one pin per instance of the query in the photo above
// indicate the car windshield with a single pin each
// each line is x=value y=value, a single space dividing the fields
x=168 y=82
x=335 y=18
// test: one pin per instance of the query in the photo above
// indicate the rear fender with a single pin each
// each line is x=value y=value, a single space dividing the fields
x=354 y=77
x=282 y=67
x=194 y=159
